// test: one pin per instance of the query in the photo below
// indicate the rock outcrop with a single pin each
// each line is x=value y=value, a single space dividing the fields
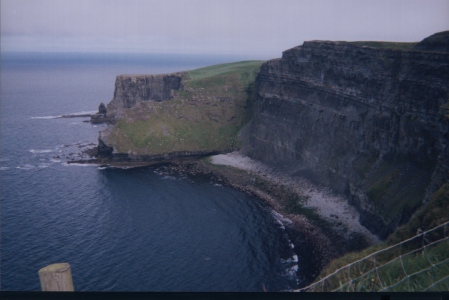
x=132 y=89
x=101 y=115
x=366 y=121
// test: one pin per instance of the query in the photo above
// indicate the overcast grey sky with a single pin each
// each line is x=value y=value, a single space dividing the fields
x=258 y=27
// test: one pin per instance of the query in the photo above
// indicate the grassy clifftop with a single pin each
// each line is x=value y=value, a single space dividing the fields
x=205 y=116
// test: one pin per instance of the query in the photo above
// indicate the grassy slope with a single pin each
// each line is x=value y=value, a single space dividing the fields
x=434 y=213
x=205 y=116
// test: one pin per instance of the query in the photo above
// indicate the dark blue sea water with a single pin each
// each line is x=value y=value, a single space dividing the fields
x=120 y=230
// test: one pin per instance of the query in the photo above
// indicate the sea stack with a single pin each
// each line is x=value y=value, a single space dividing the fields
x=101 y=116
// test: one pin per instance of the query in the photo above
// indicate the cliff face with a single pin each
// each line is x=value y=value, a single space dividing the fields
x=366 y=121
x=364 y=118
x=133 y=89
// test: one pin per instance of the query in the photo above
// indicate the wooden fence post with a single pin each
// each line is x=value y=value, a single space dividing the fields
x=56 y=277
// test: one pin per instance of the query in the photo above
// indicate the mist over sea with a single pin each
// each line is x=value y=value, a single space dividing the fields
x=141 y=229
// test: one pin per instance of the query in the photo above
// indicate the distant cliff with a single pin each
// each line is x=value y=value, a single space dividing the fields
x=161 y=117
x=367 y=121
x=132 y=89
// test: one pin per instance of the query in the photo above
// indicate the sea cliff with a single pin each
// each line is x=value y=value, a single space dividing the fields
x=366 y=121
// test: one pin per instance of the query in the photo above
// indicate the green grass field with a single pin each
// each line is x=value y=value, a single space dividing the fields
x=423 y=269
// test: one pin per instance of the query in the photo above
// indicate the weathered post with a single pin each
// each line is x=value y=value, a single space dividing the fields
x=56 y=277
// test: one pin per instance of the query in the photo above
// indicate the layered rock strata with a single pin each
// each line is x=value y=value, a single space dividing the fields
x=132 y=89
x=366 y=121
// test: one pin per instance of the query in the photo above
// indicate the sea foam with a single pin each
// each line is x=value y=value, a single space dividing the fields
x=40 y=151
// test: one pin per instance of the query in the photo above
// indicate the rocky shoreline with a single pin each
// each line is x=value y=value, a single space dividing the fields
x=312 y=235
x=306 y=227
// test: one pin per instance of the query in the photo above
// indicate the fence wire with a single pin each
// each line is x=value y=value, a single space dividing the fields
x=420 y=263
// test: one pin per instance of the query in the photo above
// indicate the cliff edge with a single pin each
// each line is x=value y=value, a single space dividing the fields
x=367 y=120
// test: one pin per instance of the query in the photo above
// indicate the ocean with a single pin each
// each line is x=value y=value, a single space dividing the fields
x=139 y=229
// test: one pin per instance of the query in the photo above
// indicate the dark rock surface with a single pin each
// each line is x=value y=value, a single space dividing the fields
x=102 y=109
x=367 y=122
x=132 y=89
x=101 y=116
x=438 y=42
x=104 y=150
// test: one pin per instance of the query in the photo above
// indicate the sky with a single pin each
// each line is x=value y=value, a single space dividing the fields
x=262 y=28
